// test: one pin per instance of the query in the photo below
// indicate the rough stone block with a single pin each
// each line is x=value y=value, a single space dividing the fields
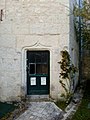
x=7 y=40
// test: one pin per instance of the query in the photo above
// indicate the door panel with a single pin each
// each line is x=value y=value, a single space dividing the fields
x=38 y=72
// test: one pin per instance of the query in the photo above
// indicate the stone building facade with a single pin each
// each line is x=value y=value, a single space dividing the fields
x=33 y=28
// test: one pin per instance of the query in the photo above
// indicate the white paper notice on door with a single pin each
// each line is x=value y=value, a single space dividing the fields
x=33 y=80
x=43 y=80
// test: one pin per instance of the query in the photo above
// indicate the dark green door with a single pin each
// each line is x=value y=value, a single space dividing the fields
x=38 y=72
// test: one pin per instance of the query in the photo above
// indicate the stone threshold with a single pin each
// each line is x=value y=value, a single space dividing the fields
x=37 y=98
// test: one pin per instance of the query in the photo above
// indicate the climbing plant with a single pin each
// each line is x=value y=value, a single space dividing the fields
x=82 y=23
x=67 y=71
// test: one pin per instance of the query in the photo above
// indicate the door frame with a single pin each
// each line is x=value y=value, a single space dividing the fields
x=24 y=68
x=38 y=89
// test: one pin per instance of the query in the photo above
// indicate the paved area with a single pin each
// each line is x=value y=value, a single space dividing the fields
x=42 y=111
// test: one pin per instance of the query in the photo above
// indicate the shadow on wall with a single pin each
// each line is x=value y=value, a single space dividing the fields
x=86 y=64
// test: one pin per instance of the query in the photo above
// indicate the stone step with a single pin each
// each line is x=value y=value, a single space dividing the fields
x=38 y=98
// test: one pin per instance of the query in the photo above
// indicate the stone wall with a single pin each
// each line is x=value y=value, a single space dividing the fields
x=73 y=44
x=31 y=25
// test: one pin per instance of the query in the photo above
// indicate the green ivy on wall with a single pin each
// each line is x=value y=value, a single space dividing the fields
x=82 y=25
x=67 y=70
